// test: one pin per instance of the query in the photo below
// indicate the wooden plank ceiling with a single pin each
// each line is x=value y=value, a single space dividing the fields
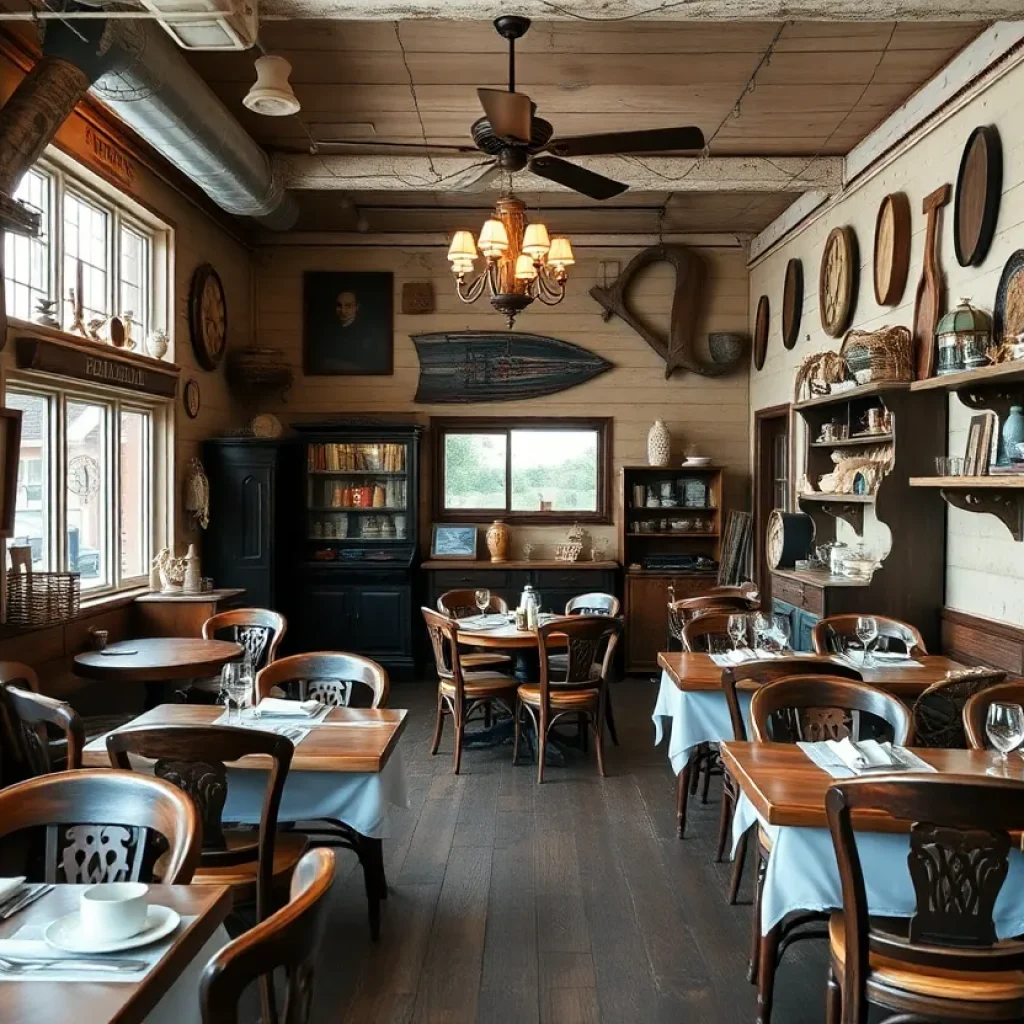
x=826 y=86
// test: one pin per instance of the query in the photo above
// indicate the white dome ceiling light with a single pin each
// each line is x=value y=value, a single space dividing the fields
x=272 y=93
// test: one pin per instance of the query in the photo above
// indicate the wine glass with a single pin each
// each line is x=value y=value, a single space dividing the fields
x=1005 y=730
x=781 y=631
x=235 y=685
x=737 y=627
x=867 y=633
x=483 y=600
x=762 y=627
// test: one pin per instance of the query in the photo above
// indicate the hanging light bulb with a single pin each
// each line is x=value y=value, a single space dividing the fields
x=272 y=93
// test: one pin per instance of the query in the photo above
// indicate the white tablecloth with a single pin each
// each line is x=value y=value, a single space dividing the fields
x=803 y=874
x=359 y=799
x=694 y=717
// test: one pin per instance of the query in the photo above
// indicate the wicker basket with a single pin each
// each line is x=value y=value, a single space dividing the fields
x=42 y=598
x=883 y=355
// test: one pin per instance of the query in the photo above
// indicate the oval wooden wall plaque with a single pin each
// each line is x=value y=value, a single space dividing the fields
x=892 y=249
x=837 y=280
x=979 y=187
x=761 y=331
x=792 y=302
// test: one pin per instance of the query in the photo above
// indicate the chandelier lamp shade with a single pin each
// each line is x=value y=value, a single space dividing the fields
x=522 y=262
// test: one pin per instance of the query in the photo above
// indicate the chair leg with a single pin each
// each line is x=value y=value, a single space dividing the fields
x=724 y=822
x=598 y=721
x=610 y=719
x=517 y=720
x=768 y=957
x=682 y=796
x=755 y=923
x=709 y=760
x=737 y=868
x=439 y=725
x=457 y=715
x=542 y=742
x=833 y=1000
x=698 y=763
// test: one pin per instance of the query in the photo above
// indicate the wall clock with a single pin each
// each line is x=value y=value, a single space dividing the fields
x=979 y=187
x=190 y=398
x=83 y=476
x=892 y=249
x=837 y=280
x=761 y=331
x=792 y=302
x=208 y=316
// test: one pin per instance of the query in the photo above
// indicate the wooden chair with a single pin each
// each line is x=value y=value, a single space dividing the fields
x=688 y=608
x=939 y=711
x=461 y=693
x=461 y=604
x=100 y=825
x=28 y=748
x=583 y=689
x=194 y=758
x=341 y=680
x=287 y=942
x=593 y=604
x=258 y=630
x=811 y=708
x=331 y=677
x=831 y=635
x=943 y=963
x=975 y=713
x=709 y=633
x=756 y=673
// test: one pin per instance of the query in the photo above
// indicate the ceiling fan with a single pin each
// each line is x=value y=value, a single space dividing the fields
x=518 y=139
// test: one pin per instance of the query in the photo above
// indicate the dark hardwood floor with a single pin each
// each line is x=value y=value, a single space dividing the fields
x=568 y=903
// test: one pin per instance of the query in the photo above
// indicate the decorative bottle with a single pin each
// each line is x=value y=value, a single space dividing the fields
x=193 y=583
x=1012 y=435
x=658 y=444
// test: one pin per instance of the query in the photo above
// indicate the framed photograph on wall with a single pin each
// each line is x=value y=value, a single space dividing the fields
x=979 y=444
x=348 y=323
x=453 y=542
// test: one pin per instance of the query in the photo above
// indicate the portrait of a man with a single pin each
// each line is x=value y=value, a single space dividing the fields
x=349 y=322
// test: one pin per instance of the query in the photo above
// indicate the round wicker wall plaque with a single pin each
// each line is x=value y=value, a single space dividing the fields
x=761 y=331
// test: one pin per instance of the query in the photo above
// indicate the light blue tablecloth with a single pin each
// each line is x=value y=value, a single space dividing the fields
x=693 y=717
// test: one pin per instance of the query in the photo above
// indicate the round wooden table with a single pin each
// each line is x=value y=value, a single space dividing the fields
x=156 y=661
x=523 y=641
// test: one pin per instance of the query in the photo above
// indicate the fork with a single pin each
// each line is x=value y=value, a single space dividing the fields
x=20 y=965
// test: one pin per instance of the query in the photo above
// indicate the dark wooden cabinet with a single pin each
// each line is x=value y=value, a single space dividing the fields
x=646 y=603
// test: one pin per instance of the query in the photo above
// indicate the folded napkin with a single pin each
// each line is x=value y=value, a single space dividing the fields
x=890 y=659
x=741 y=656
x=844 y=759
x=277 y=707
x=8 y=886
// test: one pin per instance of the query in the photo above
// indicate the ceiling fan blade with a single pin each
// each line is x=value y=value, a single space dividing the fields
x=510 y=113
x=656 y=140
x=475 y=178
x=597 y=186
x=396 y=145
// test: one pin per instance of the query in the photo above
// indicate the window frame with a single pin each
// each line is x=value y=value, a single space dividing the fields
x=441 y=426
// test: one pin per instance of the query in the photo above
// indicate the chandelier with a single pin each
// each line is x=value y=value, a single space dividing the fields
x=523 y=264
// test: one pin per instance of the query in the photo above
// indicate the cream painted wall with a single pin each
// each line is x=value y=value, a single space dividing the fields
x=985 y=567
x=710 y=413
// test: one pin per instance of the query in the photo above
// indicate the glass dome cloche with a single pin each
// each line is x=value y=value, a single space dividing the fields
x=964 y=335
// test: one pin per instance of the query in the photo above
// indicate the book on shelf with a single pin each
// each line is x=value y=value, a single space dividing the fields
x=356 y=458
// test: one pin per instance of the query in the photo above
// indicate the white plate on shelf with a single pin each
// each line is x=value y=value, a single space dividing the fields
x=66 y=933
x=702 y=461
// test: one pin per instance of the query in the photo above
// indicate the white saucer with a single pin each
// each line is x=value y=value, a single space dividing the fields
x=66 y=933
x=701 y=461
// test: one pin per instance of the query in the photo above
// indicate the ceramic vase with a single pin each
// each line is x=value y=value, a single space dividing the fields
x=497 y=541
x=658 y=444
x=1012 y=435
x=157 y=343
x=193 y=583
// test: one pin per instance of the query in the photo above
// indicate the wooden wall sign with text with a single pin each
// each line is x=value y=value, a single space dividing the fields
x=98 y=364
x=104 y=153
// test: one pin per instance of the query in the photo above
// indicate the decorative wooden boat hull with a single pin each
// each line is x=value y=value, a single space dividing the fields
x=499 y=366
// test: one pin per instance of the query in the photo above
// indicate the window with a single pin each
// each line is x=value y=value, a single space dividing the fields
x=98 y=239
x=99 y=521
x=534 y=470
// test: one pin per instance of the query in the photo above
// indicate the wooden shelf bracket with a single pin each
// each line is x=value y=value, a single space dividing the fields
x=850 y=512
x=1007 y=505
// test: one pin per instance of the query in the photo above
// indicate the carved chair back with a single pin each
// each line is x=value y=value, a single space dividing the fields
x=689 y=609
x=812 y=708
x=331 y=677
x=939 y=711
x=461 y=604
x=30 y=716
x=958 y=860
x=588 y=649
x=593 y=604
x=759 y=673
x=193 y=758
x=288 y=941
x=99 y=825
x=259 y=631
x=444 y=642
x=834 y=634
x=975 y=713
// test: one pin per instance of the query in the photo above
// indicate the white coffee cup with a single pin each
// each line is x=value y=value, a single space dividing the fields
x=114 y=910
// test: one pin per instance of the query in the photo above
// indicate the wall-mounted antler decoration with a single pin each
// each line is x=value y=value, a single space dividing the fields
x=677 y=350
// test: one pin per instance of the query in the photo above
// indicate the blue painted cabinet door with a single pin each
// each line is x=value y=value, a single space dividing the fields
x=801 y=624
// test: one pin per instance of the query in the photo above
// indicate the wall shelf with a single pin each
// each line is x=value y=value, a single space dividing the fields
x=854 y=442
x=994 y=387
x=874 y=390
x=1001 y=496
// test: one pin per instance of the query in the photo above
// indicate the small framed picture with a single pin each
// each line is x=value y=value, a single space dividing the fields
x=979 y=444
x=348 y=322
x=453 y=542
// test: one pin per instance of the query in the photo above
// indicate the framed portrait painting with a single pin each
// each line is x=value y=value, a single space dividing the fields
x=348 y=322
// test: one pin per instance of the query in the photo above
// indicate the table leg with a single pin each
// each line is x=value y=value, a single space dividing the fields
x=682 y=797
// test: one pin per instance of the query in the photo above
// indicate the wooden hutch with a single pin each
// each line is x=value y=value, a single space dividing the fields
x=675 y=545
x=909 y=583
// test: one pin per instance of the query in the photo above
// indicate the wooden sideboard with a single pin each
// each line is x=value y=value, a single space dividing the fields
x=156 y=615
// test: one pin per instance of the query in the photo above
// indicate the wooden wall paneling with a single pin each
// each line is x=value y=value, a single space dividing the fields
x=979 y=641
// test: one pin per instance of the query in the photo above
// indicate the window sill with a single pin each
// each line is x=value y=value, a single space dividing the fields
x=88 y=608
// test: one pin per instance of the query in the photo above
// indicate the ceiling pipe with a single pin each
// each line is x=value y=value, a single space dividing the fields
x=139 y=73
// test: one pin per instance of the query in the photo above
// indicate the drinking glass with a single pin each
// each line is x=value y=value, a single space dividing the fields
x=483 y=600
x=781 y=631
x=235 y=685
x=867 y=633
x=762 y=628
x=1005 y=731
x=737 y=626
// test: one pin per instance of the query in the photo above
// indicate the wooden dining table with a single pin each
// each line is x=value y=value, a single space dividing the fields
x=156 y=660
x=522 y=642
x=113 y=1002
